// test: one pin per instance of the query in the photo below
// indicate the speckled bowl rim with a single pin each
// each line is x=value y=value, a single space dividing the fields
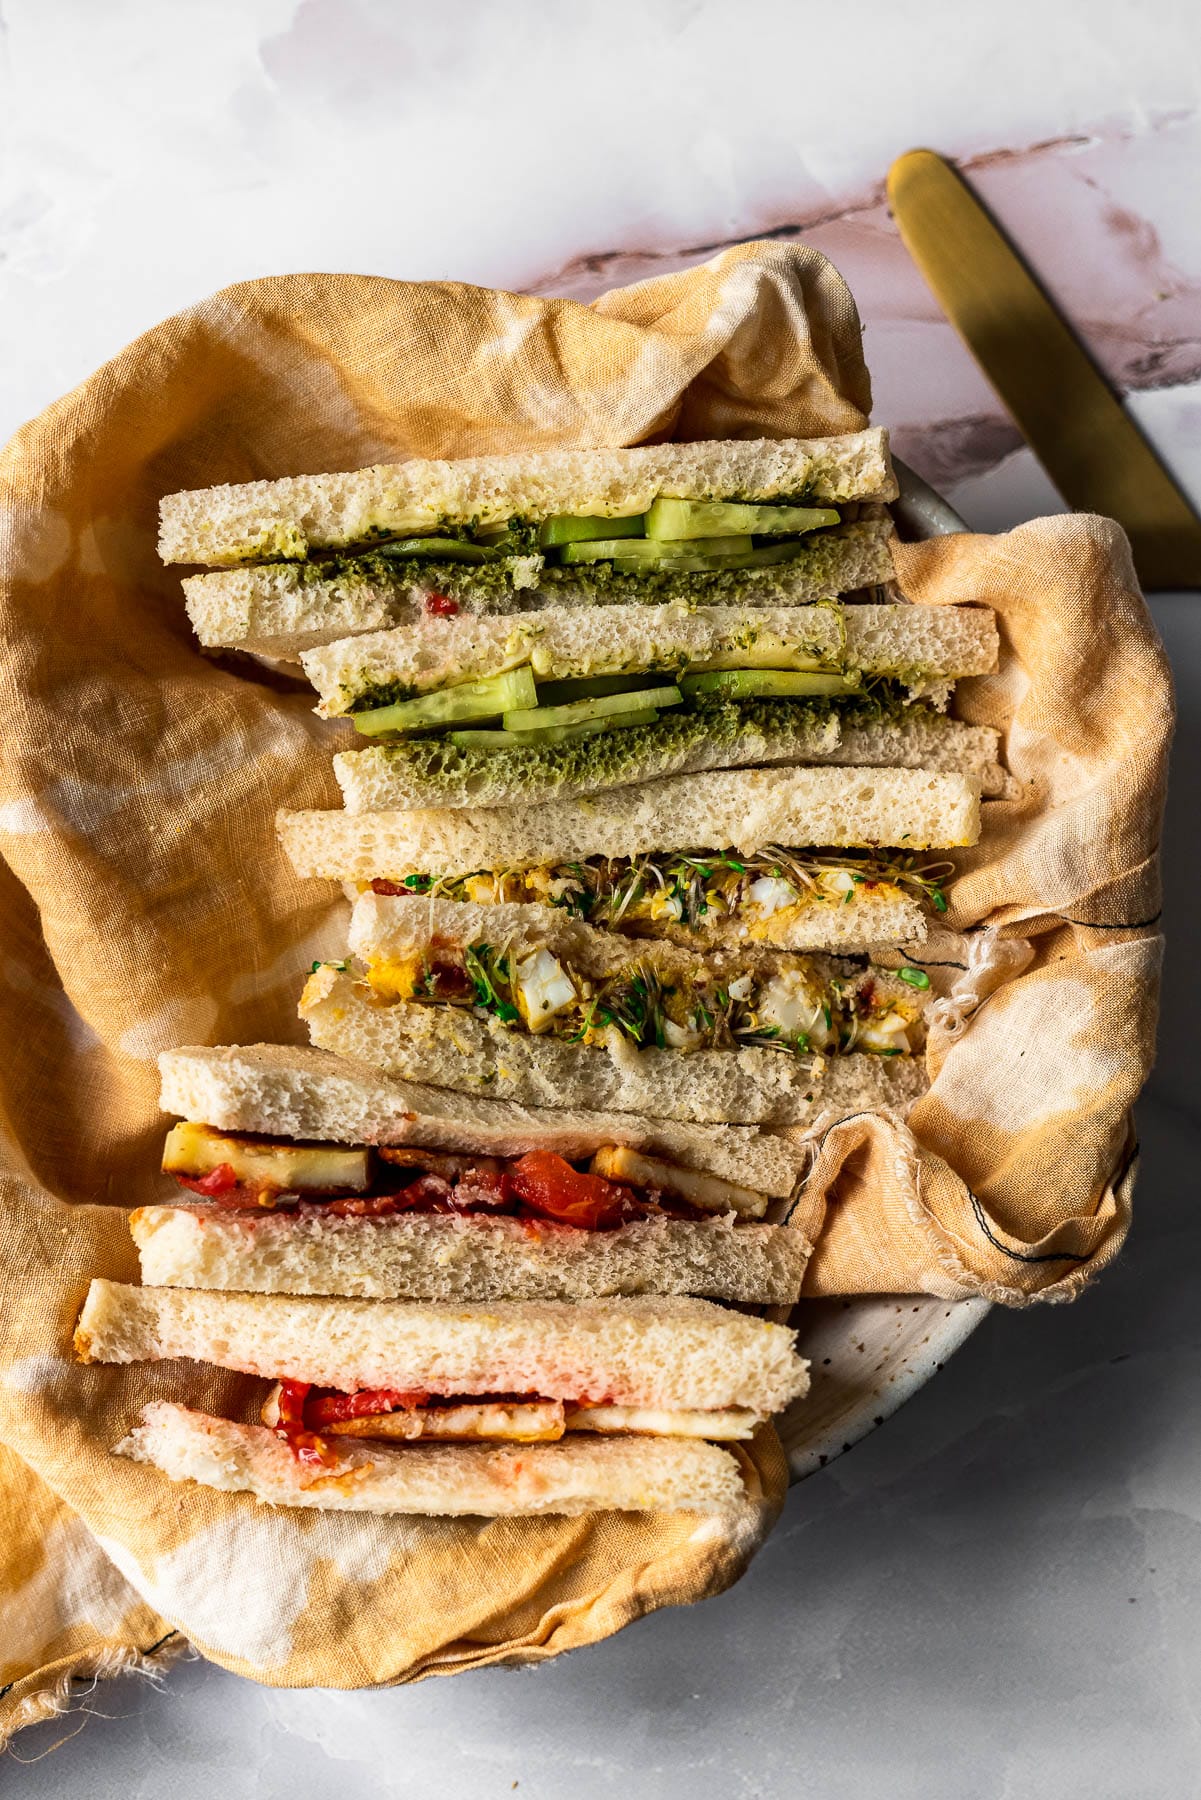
x=857 y=1383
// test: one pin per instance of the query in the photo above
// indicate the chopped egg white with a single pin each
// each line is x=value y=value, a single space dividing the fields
x=678 y=1037
x=793 y=1006
x=769 y=894
x=742 y=988
x=837 y=882
x=543 y=989
x=890 y=1032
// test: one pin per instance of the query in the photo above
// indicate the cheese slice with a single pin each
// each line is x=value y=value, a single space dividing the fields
x=735 y=1422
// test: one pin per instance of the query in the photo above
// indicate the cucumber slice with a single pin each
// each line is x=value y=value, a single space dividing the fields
x=652 y=553
x=761 y=558
x=583 y=712
x=554 y=734
x=755 y=684
x=594 y=687
x=485 y=699
x=673 y=519
x=445 y=549
x=563 y=528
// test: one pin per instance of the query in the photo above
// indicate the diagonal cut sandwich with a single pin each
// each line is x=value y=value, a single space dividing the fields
x=311 y=558
x=310 y=1174
x=397 y=1406
x=503 y=710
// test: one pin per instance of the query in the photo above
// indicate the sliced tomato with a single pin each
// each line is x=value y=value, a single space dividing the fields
x=549 y=1185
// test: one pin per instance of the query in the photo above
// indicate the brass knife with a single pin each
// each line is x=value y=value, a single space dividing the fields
x=1074 y=422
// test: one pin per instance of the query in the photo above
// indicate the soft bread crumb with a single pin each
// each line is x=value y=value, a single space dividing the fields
x=652 y=1351
x=746 y=809
x=448 y=1259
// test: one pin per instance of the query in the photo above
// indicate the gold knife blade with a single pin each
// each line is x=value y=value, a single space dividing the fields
x=1076 y=425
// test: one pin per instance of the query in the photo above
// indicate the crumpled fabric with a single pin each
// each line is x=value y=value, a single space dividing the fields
x=146 y=905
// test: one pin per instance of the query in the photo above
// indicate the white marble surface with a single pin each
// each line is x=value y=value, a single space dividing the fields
x=997 y=1593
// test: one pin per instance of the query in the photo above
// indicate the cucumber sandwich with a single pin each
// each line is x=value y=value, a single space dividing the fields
x=497 y=711
x=305 y=560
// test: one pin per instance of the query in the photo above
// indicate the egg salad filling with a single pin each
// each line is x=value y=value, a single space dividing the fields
x=796 y=1005
x=657 y=892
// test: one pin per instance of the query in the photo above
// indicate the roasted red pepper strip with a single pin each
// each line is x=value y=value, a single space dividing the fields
x=304 y=1444
x=217 y=1181
x=549 y=1185
x=330 y=1408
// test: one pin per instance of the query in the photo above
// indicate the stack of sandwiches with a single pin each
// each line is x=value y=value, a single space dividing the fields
x=649 y=778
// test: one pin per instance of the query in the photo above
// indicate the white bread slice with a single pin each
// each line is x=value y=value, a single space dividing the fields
x=648 y=1351
x=743 y=809
x=744 y=1086
x=311 y=1096
x=920 y=644
x=579 y=1474
x=280 y=609
x=431 y=771
x=920 y=739
x=257 y=520
x=432 y=1256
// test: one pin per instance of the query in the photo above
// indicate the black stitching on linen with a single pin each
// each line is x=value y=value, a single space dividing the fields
x=1113 y=924
x=1119 y=1174
x=1018 y=1255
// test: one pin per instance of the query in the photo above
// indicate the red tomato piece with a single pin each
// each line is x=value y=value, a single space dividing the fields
x=549 y=1185
x=441 y=605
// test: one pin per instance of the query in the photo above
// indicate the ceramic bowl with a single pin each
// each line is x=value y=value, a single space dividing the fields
x=869 y=1355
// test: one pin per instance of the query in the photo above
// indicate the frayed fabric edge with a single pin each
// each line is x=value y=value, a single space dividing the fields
x=71 y=1689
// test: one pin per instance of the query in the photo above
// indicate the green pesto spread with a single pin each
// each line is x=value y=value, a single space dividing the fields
x=437 y=771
